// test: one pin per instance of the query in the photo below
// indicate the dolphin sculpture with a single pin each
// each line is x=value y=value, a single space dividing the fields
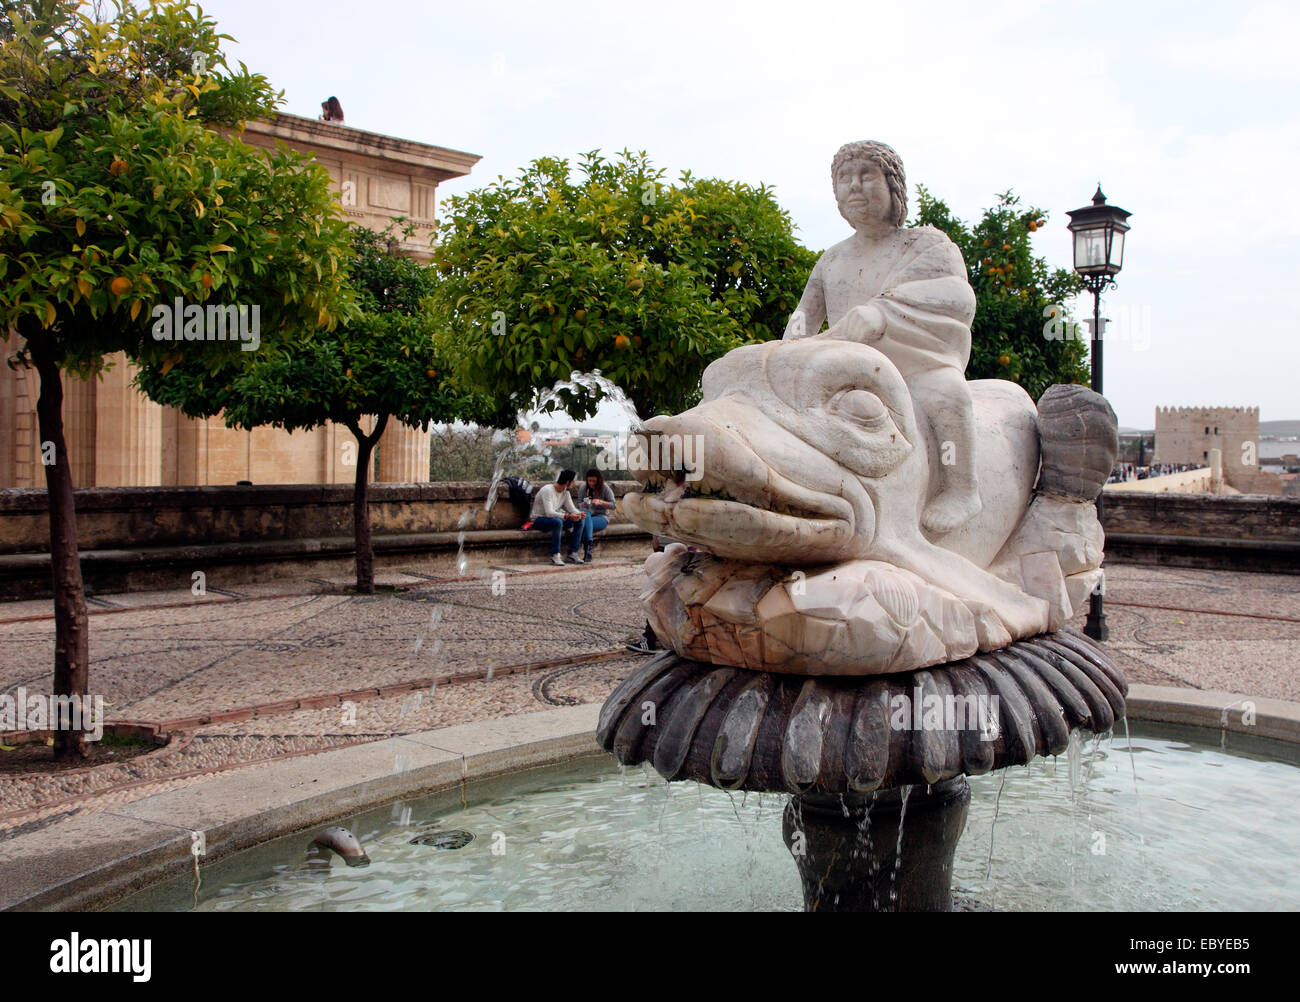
x=795 y=490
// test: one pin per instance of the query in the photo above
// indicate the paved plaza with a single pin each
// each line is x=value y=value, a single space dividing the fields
x=299 y=666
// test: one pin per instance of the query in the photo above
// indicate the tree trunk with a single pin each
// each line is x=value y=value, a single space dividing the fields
x=361 y=504
x=71 y=627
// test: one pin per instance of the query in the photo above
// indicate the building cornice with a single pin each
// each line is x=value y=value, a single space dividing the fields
x=423 y=160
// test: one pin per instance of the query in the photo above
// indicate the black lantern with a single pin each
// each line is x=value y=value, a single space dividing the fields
x=1098 y=256
x=1098 y=238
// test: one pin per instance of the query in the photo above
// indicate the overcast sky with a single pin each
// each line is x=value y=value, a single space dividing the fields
x=1186 y=113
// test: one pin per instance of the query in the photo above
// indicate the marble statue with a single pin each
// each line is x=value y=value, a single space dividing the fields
x=851 y=505
x=904 y=291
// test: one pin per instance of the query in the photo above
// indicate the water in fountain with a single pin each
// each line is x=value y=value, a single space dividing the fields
x=1208 y=813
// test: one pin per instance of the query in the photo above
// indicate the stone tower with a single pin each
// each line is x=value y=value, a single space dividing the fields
x=1188 y=434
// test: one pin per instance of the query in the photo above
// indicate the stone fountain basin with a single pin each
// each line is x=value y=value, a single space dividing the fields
x=1180 y=824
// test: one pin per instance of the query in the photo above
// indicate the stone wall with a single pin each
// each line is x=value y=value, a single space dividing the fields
x=146 y=538
x=1187 y=482
x=141 y=517
x=1225 y=532
x=155 y=537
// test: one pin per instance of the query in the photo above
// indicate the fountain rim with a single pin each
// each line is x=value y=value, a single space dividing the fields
x=131 y=852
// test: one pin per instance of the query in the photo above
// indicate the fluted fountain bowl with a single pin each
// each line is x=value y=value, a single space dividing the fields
x=744 y=730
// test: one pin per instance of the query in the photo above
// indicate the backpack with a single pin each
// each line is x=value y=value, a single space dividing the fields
x=521 y=493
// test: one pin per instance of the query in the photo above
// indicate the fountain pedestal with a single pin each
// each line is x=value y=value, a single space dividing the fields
x=847 y=748
x=885 y=852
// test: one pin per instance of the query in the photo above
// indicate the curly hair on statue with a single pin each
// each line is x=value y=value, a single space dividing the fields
x=890 y=164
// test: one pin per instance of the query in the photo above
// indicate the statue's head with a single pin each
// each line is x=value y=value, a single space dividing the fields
x=869 y=183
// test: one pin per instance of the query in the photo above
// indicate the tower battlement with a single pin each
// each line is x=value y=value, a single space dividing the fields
x=1208 y=412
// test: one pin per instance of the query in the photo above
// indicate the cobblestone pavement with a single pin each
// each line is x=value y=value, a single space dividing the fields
x=512 y=638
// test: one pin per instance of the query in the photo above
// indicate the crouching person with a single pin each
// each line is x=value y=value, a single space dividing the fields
x=554 y=511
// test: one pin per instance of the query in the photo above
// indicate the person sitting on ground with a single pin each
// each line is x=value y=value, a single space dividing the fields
x=552 y=508
x=596 y=498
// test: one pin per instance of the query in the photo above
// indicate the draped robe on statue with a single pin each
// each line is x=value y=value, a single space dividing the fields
x=917 y=279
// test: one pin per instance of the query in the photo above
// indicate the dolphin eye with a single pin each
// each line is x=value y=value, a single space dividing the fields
x=860 y=406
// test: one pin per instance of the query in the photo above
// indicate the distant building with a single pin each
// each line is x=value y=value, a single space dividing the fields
x=117 y=437
x=1188 y=435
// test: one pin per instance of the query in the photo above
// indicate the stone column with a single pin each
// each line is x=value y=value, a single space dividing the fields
x=1216 y=471
x=128 y=431
x=20 y=445
x=80 y=428
x=184 y=449
x=403 y=455
x=19 y=456
x=885 y=852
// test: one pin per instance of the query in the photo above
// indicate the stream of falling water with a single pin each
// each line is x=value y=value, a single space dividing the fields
x=898 y=848
x=994 y=824
x=864 y=850
x=578 y=382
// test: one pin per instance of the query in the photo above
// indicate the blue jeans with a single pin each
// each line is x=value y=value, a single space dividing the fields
x=557 y=527
x=588 y=528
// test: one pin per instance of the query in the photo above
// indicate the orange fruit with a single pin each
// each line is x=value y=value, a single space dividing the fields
x=207 y=281
x=1004 y=360
x=430 y=373
x=622 y=342
x=580 y=316
x=118 y=167
x=120 y=286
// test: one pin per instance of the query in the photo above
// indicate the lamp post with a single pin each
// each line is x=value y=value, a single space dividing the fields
x=1098 y=256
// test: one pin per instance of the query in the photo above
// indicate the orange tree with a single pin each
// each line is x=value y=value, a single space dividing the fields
x=122 y=190
x=1013 y=291
x=380 y=363
x=613 y=270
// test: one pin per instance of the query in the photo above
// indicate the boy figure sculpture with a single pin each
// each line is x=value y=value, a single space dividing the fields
x=904 y=292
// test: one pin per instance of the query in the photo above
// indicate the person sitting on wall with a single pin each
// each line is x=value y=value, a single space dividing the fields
x=331 y=111
x=552 y=508
x=596 y=499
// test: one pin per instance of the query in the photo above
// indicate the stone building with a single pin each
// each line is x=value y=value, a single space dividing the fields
x=118 y=437
x=1189 y=435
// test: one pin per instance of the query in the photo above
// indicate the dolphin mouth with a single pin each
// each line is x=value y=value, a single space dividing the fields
x=779 y=521
x=667 y=495
x=776 y=494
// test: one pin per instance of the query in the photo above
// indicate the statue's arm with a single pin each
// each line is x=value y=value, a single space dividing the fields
x=808 y=315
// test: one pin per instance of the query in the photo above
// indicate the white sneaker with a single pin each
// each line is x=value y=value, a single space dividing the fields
x=557 y=560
